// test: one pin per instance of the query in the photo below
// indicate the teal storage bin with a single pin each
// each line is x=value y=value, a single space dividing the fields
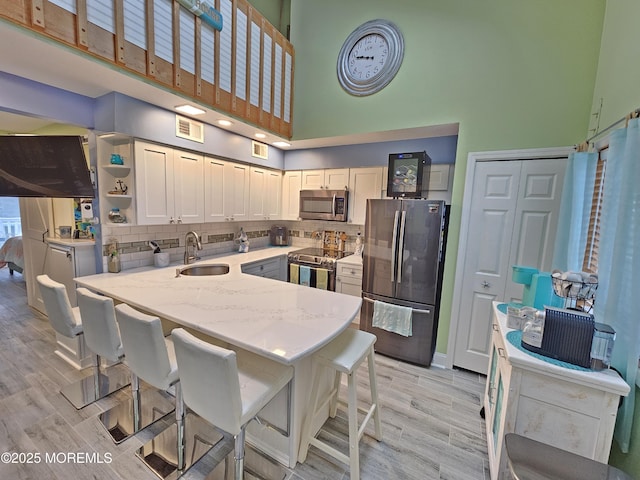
x=522 y=274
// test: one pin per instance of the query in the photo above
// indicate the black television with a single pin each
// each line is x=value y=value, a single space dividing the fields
x=407 y=173
x=44 y=166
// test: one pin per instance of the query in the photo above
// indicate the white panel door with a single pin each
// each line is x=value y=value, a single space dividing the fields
x=37 y=222
x=513 y=221
x=217 y=191
x=291 y=186
x=312 y=179
x=238 y=176
x=336 y=178
x=154 y=184
x=364 y=183
x=536 y=218
x=188 y=187
x=493 y=206
x=257 y=195
x=273 y=191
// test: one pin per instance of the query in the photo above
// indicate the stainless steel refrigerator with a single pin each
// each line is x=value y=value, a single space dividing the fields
x=403 y=262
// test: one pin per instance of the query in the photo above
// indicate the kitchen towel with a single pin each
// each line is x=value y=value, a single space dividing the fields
x=322 y=278
x=392 y=318
x=294 y=273
x=305 y=275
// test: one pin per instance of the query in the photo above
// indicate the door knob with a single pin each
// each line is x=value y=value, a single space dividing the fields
x=485 y=284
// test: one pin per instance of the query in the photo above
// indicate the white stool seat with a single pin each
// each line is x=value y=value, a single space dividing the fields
x=226 y=389
x=344 y=355
x=67 y=322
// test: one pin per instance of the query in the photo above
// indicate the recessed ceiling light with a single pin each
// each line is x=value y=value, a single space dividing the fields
x=190 y=110
x=260 y=135
x=225 y=123
x=281 y=144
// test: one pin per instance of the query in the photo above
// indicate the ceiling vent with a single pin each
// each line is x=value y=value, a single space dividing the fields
x=259 y=150
x=189 y=129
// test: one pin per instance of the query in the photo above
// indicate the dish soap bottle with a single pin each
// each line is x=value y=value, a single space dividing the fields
x=243 y=240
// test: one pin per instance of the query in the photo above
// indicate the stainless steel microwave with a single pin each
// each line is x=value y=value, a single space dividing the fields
x=324 y=205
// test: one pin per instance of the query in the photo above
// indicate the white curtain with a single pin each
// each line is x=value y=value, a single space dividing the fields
x=619 y=263
x=575 y=210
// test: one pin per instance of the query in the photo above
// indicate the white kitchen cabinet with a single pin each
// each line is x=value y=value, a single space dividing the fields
x=275 y=268
x=329 y=179
x=65 y=260
x=364 y=183
x=570 y=409
x=115 y=178
x=291 y=186
x=169 y=185
x=439 y=177
x=349 y=278
x=265 y=192
x=226 y=190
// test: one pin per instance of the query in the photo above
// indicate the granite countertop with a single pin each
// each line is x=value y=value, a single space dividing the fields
x=352 y=260
x=70 y=242
x=272 y=318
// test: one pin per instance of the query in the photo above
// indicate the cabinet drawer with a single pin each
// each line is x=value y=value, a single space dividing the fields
x=267 y=268
x=347 y=270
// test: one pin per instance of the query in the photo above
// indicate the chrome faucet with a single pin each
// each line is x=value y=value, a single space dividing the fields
x=191 y=239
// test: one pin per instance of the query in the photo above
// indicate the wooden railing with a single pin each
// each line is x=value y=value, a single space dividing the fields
x=245 y=70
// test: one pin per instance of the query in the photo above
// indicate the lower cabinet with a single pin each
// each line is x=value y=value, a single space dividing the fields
x=349 y=279
x=275 y=268
x=574 y=410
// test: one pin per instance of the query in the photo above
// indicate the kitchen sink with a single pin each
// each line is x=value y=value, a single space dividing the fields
x=203 y=270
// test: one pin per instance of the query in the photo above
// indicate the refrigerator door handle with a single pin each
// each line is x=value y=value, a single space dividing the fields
x=417 y=310
x=394 y=242
x=401 y=248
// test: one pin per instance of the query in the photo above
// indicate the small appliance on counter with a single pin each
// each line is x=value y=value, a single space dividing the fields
x=538 y=290
x=569 y=336
x=279 y=236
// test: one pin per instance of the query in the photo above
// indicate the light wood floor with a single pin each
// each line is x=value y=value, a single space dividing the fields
x=431 y=423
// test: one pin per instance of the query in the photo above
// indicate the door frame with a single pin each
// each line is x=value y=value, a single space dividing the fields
x=473 y=159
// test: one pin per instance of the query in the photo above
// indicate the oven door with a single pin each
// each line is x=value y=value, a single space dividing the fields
x=312 y=276
x=323 y=205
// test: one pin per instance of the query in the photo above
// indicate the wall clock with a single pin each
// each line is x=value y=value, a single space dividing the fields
x=370 y=57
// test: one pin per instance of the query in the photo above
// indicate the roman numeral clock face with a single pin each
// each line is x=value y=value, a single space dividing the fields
x=370 y=57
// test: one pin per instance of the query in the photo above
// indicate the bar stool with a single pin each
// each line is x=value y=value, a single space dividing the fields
x=344 y=355
x=67 y=321
x=151 y=357
x=226 y=389
x=103 y=339
x=532 y=460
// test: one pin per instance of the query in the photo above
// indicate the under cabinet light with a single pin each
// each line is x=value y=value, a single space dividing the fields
x=260 y=135
x=225 y=123
x=281 y=144
x=190 y=110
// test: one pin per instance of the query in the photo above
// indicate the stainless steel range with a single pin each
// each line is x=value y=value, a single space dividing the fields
x=313 y=261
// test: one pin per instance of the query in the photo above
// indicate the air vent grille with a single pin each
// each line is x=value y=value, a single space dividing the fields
x=259 y=150
x=189 y=129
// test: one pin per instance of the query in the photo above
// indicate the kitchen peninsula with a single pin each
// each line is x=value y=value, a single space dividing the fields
x=278 y=320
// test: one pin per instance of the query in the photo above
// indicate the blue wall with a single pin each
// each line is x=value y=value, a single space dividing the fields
x=440 y=149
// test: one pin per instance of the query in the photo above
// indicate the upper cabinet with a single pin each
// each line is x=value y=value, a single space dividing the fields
x=330 y=179
x=291 y=186
x=226 y=190
x=364 y=183
x=169 y=185
x=264 y=198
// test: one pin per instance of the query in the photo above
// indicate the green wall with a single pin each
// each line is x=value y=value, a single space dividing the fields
x=618 y=87
x=512 y=74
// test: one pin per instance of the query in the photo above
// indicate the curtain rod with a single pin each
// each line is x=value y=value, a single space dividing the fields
x=614 y=124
